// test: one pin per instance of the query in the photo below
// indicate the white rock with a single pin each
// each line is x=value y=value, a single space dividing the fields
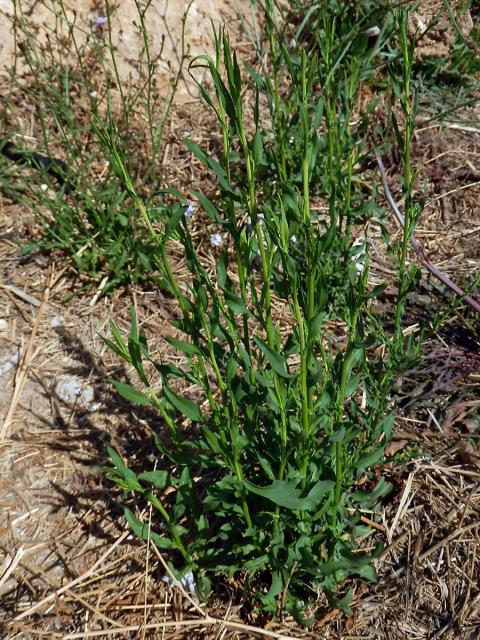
x=8 y=363
x=57 y=321
x=74 y=391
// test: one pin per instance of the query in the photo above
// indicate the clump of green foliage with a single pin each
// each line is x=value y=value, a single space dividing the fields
x=84 y=210
x=266 y=455
x=270 y=452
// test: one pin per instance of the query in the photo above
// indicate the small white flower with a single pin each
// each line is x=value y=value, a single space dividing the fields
x=216 y=240
x=422 y=27
x=189 y=211
x=93 y=94
x=359 y=257
x=100 y=21
x=187 y=581
x=293 y=239
x=372 y=32
x=293 y=43
x=44 y=187
x=291 y=140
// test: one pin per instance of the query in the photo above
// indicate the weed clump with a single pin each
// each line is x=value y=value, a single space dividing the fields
x=80 y=204
x=268 y=463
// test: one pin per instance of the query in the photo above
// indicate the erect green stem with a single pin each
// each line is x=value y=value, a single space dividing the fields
x=274 y=88
x=306 y=194
x=169 y=422
x=408 y=180
x=303 y=377
x=155 y=502
x=272 y=343
x=252 y=206
x=233 y=219
x=113 y=57
x=340 y=407
x=304 y=319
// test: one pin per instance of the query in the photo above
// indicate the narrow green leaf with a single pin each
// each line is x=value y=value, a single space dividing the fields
x=285 y=494
x=231 y=369
x=236 y=304
x=212 y=164
x=343 y=603
x=140 y=529
x=276 y=587
x=185 y=347
x=257 y=146
x=320 y=489
x=121 y=346
x=267 y=467
x=129 y=393
x=212 y=440
x=184 y=405
x=158 y=478
x=370 y=459
x=116 y=349
x=136 y=346
x=208 y=207
x=172 y=223
x=371 y=497
x=221 y=269
x=352 y=385
x=115 y=458
x=277 y=362
x=256 y=564
x=328 y=238
x=315 y=326
x=385 y=427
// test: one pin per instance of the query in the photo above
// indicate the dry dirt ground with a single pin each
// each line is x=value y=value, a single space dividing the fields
x=164 y=25
x=69 y=567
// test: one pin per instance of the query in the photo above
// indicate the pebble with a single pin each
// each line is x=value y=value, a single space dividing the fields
x=73 y=391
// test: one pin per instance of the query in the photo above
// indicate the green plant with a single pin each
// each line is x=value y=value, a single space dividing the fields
x=72 y=74
x=286 y=416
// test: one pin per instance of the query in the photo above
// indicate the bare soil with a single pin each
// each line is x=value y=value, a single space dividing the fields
x=432 y=22
x=164 y=26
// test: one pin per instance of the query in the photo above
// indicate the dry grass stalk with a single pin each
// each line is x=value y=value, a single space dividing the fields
x=421 y=256
x=26 y=359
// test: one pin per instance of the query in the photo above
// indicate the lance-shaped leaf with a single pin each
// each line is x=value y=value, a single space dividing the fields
x=208 y=206
x=277 y=361
x=184 y=405
x=186 y=347
x=285 y=494
x=141 y=529
x=211 y=163
x=129 y=393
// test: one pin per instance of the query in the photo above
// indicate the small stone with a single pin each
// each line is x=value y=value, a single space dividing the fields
x=71 y=390
x=8 y=363
x=57 y=321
